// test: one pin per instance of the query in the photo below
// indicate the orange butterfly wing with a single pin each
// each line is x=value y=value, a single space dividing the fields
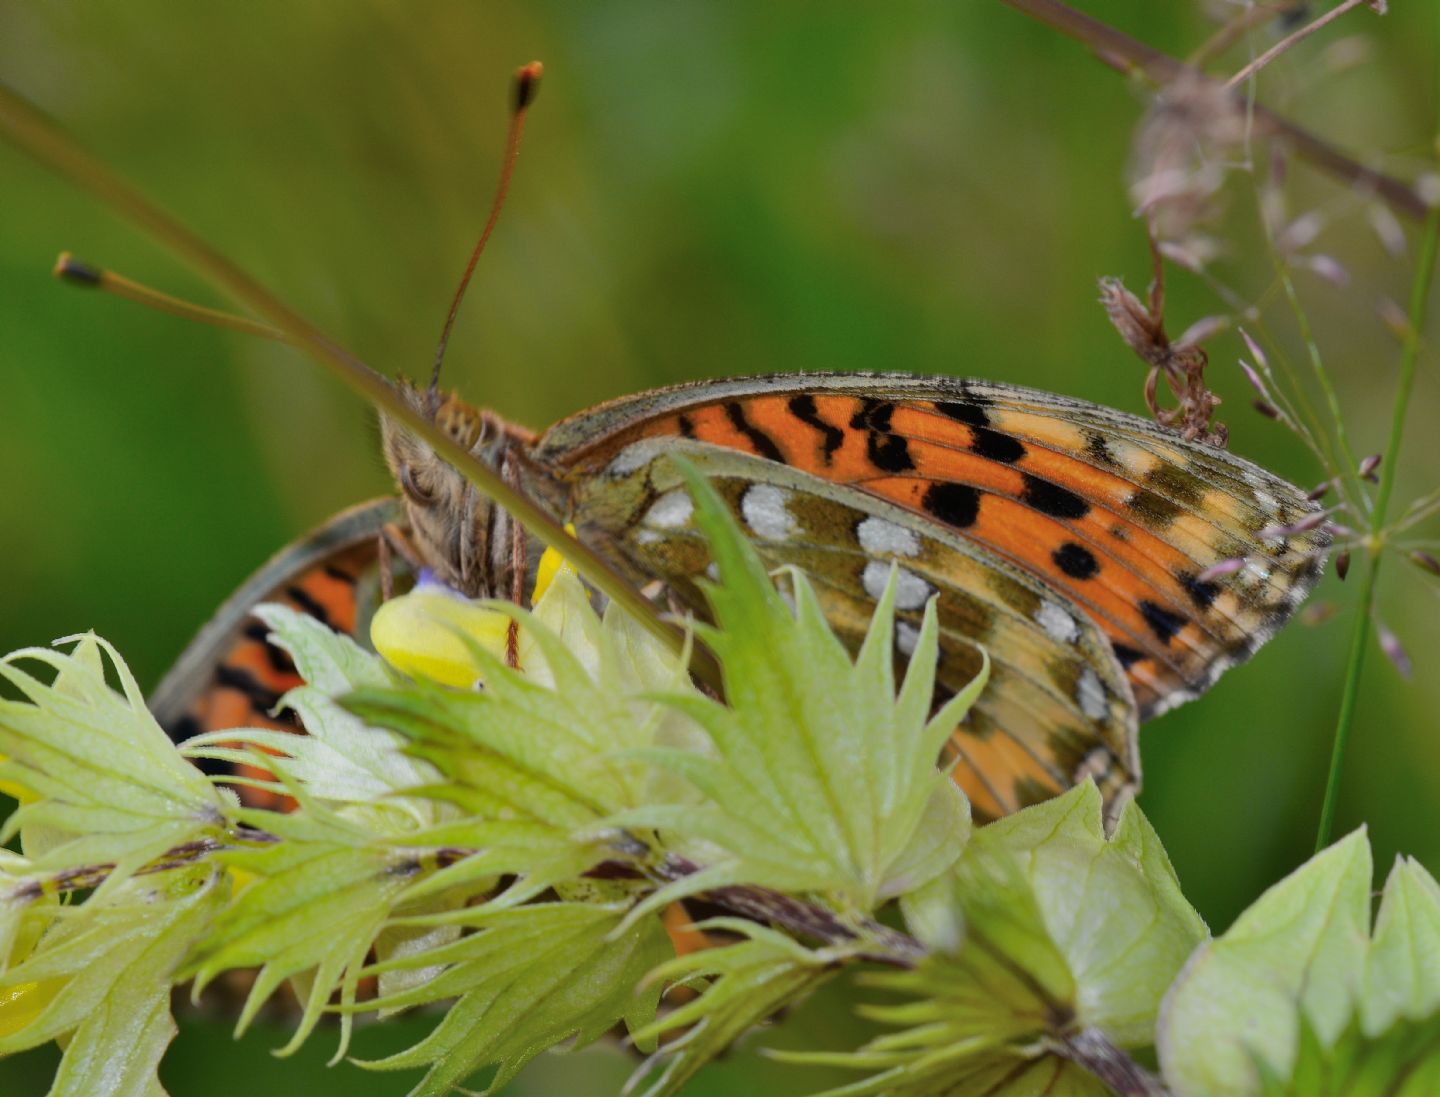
x=1118 y=515
x=231 y=675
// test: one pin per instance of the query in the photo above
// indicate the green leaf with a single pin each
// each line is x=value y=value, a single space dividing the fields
x=550 y=752
x=323 y=893
x=747 y=982
x=107 y=783
x=1401 y=1061
x=109 y=964
x=340 y=759
x=527 y=979
x=1298 y=997
x=1112 y=906
x=825 y=779
x=1051 y=947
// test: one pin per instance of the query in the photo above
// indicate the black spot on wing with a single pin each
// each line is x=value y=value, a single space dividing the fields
x=957 y=505
x=1126 y=655
x=1098 y=449
x=687 y=428
x=1201 y=593
x=261 y=698
x=996 y=446
x=1052 y=499
x=764 y=445
x=1162 y=622
x=1076 y=561
x=803 y=408
x=340 y=575
x=972 y=415
x=307 y=604
x=887 y=452
x=280 y=661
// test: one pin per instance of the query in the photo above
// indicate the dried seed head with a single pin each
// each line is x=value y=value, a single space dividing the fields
x=1317 y=613
x=1426 y=561
x=1179 y=154
x=1342 y=564
x=1319 y=491
x=1394 y=650
x=1255 y=351
x=1267 y=409
x=1395 y=319
x=1328 y=268
x=1207 y=327
x=1428 y=188
x=1368 y=467
x=1386 y=227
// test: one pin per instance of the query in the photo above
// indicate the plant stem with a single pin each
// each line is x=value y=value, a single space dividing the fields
x=1280 y=47
x=1127 y=54
x=1360 y=639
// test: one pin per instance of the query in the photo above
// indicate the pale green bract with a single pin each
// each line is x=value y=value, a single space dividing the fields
x=824 y=778
x=1043 y=934
x=1300 y=997
x=596 y=785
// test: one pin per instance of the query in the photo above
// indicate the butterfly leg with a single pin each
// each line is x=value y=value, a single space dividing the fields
x=393 y=542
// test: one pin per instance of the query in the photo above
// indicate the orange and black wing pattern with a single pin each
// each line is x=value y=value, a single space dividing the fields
x=231 y=675
x=1117 y=518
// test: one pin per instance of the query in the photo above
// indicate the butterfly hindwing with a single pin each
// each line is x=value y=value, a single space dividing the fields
x=231 y=675
x=1058 y=706
x=1119 y=516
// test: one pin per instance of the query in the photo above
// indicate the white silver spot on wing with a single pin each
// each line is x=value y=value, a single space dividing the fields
x=712 y=571
x=672 y=510
x=629 y=460
x=878 y=537
x=1090 y=694
x=907 y=636
x=1057 y=623
x=763 y=506
x=911 y=591
x=1267 y=501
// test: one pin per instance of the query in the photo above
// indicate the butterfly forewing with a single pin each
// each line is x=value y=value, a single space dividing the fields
x=1058 y=705
x=1118 y=516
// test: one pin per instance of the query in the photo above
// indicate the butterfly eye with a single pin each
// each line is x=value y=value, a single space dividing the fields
x=411 y=487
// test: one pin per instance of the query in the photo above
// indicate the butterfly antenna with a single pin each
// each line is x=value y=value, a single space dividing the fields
x=75 y=272
x=527 y=83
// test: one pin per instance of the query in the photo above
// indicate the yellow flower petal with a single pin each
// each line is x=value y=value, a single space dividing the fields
x=22 y=1003
x=416 y=633
x=549 y=566
x=14 y=791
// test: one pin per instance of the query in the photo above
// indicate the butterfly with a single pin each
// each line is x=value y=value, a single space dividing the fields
x=1076 y=544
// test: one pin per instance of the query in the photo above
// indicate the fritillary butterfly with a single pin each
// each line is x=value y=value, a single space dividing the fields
x=1076 y=543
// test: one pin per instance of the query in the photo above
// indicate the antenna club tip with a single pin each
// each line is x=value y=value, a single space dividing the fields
x=70 y=269
x=527 y=84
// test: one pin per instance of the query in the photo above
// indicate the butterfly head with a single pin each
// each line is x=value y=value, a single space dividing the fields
x=452 y=526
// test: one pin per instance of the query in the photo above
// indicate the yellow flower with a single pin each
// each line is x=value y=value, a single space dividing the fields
x=15 y=792
x=423 y=633
x=22 y=1003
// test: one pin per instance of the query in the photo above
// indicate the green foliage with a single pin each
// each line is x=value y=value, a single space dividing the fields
x=1299 y=995
x=1044 y=933
x=101 y=977
x=98 y=779
x=502 y=855
x=525 y=980
x=824 y=779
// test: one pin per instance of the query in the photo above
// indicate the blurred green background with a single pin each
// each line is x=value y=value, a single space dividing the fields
x=707 y=189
